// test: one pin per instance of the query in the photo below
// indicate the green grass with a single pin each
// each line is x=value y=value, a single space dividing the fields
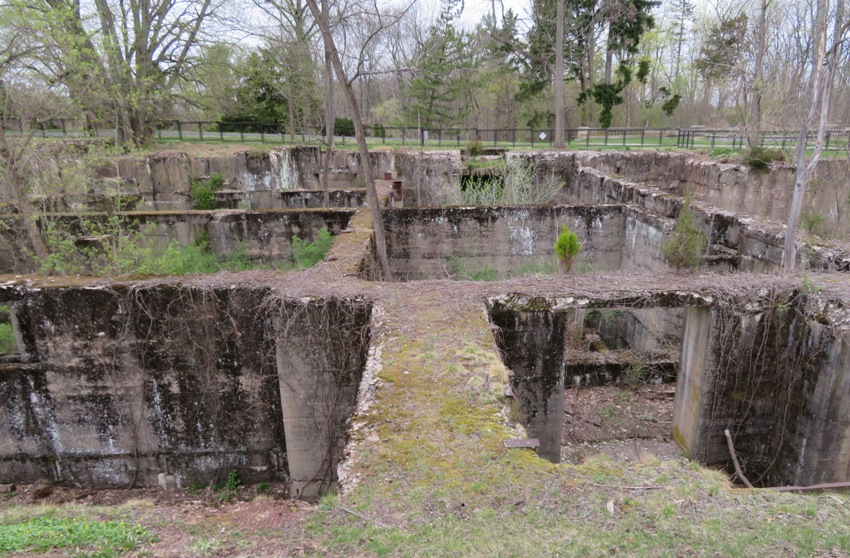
x=308 y=254
x=47 y=530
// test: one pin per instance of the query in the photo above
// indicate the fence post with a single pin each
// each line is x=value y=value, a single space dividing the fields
x=606 y=137
x=828 y=134
x=220 y=132
x=495 y=132
x=642 y=135
x=440 y=137
x=587 y=138
x=64 y=131
x=421 y=137
x=179 y=131
x=532 y=138
x=262 y=133
x=513 y=137
x=242 y=131
x=201 y=131
x=660 y=137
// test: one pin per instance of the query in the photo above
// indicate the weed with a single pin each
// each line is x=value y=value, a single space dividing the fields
x=101 y=539
x=517 y=186
x=567 y=248
x=8 y=343
x=458 y=271
x=203 y=191
x=686 y=244
x=308 y=254
x=634 y=375
x=233 y=480
x=812 y=222
x=264 y=488
x=206 y=546
x=474 y=147
x=760 y=158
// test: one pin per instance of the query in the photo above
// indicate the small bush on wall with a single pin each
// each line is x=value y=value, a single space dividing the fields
x=684 y=248
x=567 y=248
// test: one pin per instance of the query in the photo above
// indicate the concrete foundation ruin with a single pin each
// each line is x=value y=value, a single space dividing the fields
x=116 y=382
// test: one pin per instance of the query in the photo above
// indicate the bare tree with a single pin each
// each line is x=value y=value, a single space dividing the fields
x=826 y=59
x=379 y=24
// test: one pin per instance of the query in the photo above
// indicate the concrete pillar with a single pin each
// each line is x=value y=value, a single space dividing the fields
x=695 y=364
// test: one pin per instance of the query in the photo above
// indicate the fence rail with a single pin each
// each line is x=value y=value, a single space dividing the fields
x=587 y=138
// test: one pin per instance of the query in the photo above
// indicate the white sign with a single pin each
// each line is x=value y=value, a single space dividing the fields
x=542 y=136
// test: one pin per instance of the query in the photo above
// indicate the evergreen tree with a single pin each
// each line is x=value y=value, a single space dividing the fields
x=444 y=77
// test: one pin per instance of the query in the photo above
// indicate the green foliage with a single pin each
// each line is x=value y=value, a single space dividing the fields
x=8 y=343
x=458 y=270
x=684 y=248
x=812 y=221
x=518 y=186
x=203 y=191
x=474 y=147
x=93 y=539
x=343 y=127
x=112 y=246
x=445 y=74
x=760 y=158
x=233 y=480
x=567 y=248
x=308 y=254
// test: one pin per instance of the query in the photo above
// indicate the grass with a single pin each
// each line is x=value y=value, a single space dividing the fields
x=45 y=529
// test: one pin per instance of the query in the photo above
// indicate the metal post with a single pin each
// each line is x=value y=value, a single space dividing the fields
x=220 y=132
x=513 y=136
x=242 y=131
x=421 y=137
x=713 y=136
x=532 y=138
x=606 y=136
x=660 y=137
x=201 y=131
x=262 y=134
x=440 y=137
x=642 y=136
x=179 y=131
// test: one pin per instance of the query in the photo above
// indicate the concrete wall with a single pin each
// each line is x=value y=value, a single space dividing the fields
x=162 y=181
x=736 y=187
x=122 y=384
x=750 y=244
x=533 y=345
x=265 y=235
x=430 y=178
x=434 y=243
x=773 y=376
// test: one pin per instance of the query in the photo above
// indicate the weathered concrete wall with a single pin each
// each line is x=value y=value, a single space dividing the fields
x=265 y=235
x=751 y=244
x=768 y=374
x=505 y=241
x=163 y=181
x=736 y=187
x=431 y=178
x=125 y=385
x=288 y=199
x=533 y=344
x=121 y=384
x=318 y=389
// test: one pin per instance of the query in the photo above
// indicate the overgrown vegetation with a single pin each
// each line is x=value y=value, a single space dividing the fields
x=517 y=185
x=308 y=254
x=87 y=537
x=685 y=246
x=203 y=191
x=760 y=158
x=567 y=248
x=8 y=344
x=458 y=271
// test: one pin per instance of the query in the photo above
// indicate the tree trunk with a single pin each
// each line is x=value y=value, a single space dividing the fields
x=753 y=127
x=329 y=115
x=359 y=132
x=558 y=75
x=16 y=192
x=819 y=97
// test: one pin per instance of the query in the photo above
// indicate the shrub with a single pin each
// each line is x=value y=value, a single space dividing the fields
x=203 y=191
x=567 y=248
x=516 y=186
x=308 y=254
x=474 y=147
x=685 y=245
x=760 y=158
